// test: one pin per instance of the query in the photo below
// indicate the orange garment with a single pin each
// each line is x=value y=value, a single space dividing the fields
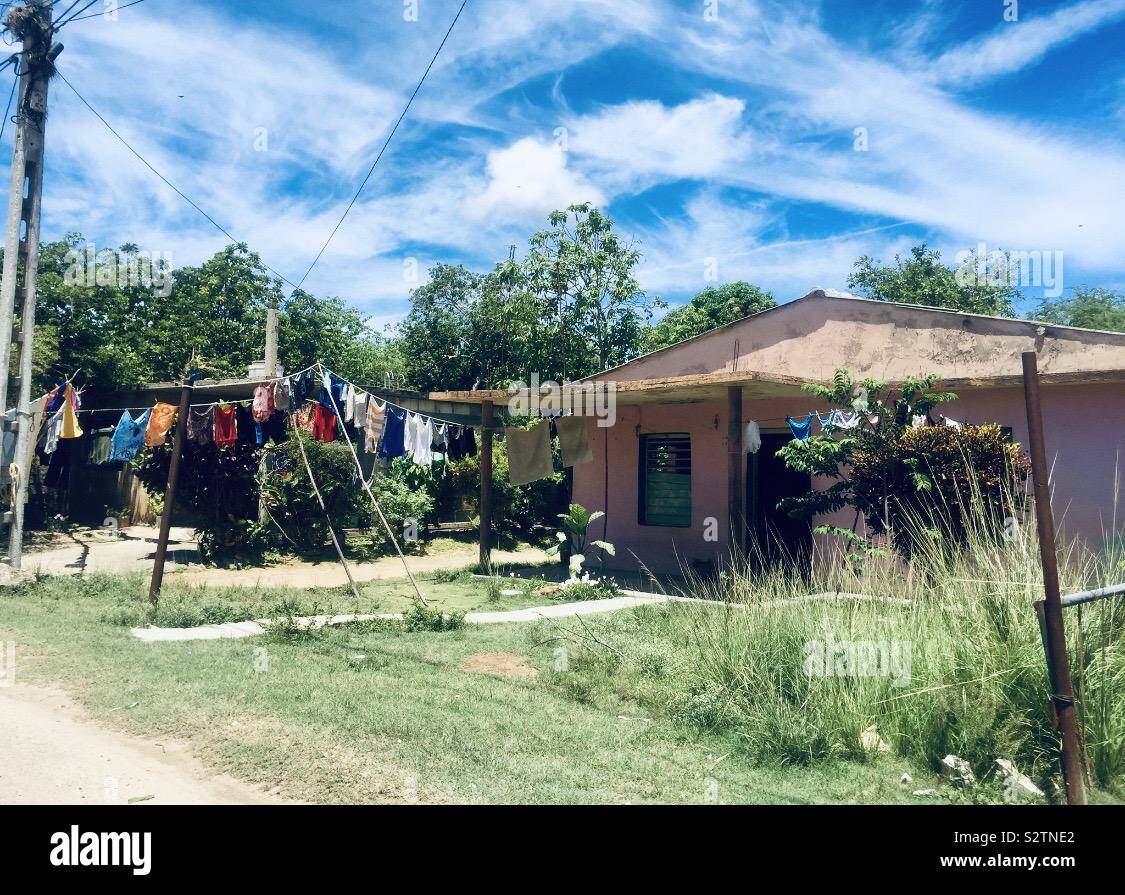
x=70 y=427
x=159 y=423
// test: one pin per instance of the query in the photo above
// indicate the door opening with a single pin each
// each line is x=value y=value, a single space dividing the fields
x=772 y=535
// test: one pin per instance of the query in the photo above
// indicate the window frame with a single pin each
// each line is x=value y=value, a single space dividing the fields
x=643 y=441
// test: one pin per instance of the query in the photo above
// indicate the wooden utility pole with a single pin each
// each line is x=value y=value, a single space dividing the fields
x=170 y=491
x=24 y=212
x=1058 y=664
x=486 y=423
x=736 y=466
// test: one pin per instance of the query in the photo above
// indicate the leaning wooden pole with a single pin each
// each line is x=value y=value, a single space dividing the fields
x=323 y=507
x=486 y=424
x=170 y=494
x=1058 y=663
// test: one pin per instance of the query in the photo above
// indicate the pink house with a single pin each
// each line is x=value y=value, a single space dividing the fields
x=671 y=473
x=671 y=469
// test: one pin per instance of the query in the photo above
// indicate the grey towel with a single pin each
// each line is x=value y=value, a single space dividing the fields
x=529 y=453
x=574 y=440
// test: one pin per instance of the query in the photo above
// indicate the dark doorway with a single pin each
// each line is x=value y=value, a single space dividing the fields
x=773 y=536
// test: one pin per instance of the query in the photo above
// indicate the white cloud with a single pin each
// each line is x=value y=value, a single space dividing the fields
x=641 y=140
x=1013 y=46
x=530 y=178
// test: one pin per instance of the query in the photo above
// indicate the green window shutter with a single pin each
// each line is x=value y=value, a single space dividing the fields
x=665 y=479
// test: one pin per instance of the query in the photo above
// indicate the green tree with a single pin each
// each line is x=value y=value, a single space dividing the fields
x=922 y=279
x=711 y=308
x=329 y=330
x=583 y=275
x=1089 y=307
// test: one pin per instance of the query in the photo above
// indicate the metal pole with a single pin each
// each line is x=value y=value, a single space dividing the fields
x=1062 y=688
x=486 y=421
x=39 y=59
x=170 y=493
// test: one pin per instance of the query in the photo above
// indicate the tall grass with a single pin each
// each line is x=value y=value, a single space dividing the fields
x=968 y=676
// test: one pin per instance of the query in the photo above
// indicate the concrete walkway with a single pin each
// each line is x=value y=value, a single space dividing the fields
x=537 y=613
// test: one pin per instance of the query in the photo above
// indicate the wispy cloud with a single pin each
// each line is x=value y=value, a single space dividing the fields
x=1022 y=42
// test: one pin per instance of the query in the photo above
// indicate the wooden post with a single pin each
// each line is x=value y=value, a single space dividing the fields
x=736 y=469
x=1062 y=687
x=486 y=421
x=170 y=493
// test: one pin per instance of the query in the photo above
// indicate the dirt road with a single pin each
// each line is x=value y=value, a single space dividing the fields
x=51 y=754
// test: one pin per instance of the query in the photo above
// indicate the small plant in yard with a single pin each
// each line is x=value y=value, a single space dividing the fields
x=419 y=618
x=574 y=535
x=588 y=587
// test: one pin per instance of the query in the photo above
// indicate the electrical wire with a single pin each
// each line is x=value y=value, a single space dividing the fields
x=63 y=20
x=169 y=183
x=386 y=143
x=8 y=110
x=96 y=15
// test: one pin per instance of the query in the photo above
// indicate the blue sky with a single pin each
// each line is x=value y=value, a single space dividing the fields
x=720 y=143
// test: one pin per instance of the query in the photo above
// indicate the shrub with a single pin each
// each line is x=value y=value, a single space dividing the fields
x=216 y=487
x=289 y=495
x=913 y=484
x=400 y=502
x=419 y=618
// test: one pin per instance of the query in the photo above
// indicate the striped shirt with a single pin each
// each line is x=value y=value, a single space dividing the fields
x=373 y=427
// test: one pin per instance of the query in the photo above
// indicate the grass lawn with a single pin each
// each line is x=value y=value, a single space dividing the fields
x=374 y=713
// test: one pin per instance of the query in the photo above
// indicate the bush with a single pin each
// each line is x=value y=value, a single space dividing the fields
x=419 y=618
x=517 y=510
x=216 y=487
x=916 y=485
x=940 y=477
x=290 y=497
x=400 y=502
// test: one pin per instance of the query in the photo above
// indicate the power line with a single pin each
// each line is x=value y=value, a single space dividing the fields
x=95 y=15
x=386 y=143
x=63 y=20
x=7 y=111
x=169 y=183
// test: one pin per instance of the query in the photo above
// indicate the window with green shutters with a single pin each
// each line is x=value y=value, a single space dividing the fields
x=665 y=480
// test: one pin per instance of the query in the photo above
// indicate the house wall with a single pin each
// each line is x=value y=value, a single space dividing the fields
x=1084 y=434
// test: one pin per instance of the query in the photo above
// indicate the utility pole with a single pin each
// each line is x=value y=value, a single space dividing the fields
x=32 y=23
x=1054 y=635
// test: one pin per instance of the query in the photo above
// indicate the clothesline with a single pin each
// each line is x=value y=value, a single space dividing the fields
x=265 y=379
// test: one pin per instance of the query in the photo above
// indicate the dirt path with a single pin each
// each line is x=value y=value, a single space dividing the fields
x=52 y=754
x=93 y=551
x=330 y=574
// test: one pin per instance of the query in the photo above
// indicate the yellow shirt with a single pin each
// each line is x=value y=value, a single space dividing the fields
x=70 y=427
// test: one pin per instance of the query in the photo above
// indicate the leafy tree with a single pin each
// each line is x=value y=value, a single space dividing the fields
x=122 y=321
x=922 y=279
x=711 y=308
x=330 y=330
x=1089 y=307
x=582 y=273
